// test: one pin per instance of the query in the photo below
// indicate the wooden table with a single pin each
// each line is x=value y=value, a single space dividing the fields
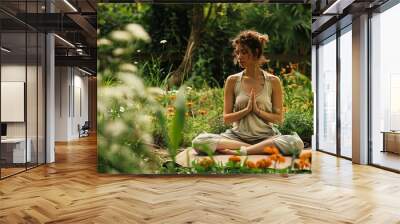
x=391 y=141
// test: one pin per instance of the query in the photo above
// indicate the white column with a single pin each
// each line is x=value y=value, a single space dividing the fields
x=360 y=90
x=50 y=93
x=314 y=90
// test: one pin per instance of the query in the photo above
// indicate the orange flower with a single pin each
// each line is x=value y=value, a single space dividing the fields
x=260 y=164
x=172 y=97
x=271 y=150
x=303 y=164
x=170 y=109
x=202 y=112
x=234 y=159
x=206 y=162
x=203 y=99
x=263 y=163
x=267 y=162
x=294 y=66
x=281 y=159
x=250 y=164
x=305 y=155
x=278 y=158
x=273 y=157
x=189 y=104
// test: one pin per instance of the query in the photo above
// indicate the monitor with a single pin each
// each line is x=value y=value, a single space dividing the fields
x=3 y=129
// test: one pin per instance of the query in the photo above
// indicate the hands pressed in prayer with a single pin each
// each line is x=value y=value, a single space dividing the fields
x=252 y=103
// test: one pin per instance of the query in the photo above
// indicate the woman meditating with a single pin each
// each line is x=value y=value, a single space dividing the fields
x=253 y=102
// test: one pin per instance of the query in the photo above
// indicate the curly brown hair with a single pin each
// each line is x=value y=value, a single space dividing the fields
x=254 y=40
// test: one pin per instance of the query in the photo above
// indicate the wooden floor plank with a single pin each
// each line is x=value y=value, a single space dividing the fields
x=71 y=191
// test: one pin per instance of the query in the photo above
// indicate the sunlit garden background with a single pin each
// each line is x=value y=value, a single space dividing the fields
x=161 y=76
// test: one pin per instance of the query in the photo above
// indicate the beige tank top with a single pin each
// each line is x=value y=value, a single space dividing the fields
x=251 y=127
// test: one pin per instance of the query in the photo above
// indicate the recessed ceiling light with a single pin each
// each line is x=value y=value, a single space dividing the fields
x=5 y=49
x=70 y=5
x=65 y=41
x=84 y=71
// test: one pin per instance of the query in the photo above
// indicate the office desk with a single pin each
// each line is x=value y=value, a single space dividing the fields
x=391 y=141
x=13 y=150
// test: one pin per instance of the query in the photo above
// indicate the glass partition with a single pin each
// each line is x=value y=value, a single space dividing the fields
x=327 y=95
x=15 y=149
x=22 y=89
x=346 y=93
x=385 y=89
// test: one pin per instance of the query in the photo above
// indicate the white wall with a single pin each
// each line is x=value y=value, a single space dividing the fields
x=71 y=101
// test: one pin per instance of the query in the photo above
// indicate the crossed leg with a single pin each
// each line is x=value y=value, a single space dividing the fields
x=227 y=146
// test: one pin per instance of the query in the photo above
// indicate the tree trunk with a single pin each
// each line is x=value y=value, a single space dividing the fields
x=197 y=23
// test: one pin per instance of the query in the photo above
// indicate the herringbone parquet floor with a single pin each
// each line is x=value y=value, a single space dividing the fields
x=71 y=191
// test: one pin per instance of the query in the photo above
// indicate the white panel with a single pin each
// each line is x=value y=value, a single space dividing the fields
x=12 y=101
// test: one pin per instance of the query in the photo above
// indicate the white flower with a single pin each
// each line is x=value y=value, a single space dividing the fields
x=137 y=31
x=115 y=128
x=118 y=51
x=128 y=67
x=138 y=51
x=120 y=35
x=132 y=81
x=155 y=91
x=147 y=138
x=103 y=41
x=121 y=109
x=163 y=41
x=135 y=62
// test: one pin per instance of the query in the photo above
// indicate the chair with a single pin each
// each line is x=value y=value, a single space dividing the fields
x=84 y=130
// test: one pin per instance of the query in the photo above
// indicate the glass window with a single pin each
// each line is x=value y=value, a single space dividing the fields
x=15 y=149
x=346 y=93
x=327 y=96
x=385 y=84
x=22 y=90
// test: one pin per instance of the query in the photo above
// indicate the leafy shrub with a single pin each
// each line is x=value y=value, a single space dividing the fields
x=299 y=122
x=204 y=113
x=124 y=107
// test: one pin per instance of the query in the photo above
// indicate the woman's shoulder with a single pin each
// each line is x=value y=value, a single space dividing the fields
x=233 y=78
x=272 y=78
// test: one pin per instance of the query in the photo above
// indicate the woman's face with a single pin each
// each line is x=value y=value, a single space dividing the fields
x=244 y=56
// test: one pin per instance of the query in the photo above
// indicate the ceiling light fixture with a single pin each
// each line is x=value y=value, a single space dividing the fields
x=64 y=40
x=5 y=49
x=337 y=7
x=70 y=5
x=333 y=6
x=84 y=71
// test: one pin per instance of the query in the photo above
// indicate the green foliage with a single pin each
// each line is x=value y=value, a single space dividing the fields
x=177 y=124
x=298 y=103
x=124 y=107
x=297 y=92
x=299 y=122
x=288 y=26
x=204 y=113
